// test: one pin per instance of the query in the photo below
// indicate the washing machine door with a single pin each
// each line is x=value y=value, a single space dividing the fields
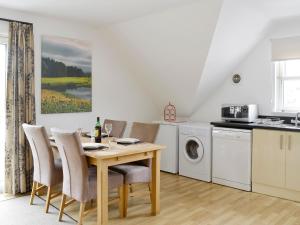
x=193 y=150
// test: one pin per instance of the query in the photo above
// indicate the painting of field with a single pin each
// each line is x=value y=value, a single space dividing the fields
x=66 y=76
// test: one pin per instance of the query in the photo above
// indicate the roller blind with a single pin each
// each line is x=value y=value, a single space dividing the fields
x=285 y=48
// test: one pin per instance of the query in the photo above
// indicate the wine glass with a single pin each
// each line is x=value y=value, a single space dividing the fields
x=79 y=130
x=93 y=135
x=108 y=129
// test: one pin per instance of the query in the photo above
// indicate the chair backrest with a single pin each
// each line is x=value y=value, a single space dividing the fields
x=43 y=160
x=146 y=132
x=118 y=127
x=75 y=168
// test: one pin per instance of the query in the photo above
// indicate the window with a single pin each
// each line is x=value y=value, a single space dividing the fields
x=287 y=85
x=3 y=62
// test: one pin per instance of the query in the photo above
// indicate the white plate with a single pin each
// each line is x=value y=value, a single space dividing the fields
x=51 y=138
x=127 y=140
x=93 y=146
x=103 y=134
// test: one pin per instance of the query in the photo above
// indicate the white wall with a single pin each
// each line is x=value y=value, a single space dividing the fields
x=167 y=50
x=256 y=85
x=3 y=28
x=240 y=27
x=115 y=92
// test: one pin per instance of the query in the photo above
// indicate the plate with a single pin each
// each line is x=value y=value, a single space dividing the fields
x=51 y=138
x=127 y=140
x=93 y=146
x=103 y=134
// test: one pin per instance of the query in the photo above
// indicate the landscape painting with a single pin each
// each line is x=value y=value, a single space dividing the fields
x=66 y=76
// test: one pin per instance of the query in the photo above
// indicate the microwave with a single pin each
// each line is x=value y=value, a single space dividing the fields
x=239 y=112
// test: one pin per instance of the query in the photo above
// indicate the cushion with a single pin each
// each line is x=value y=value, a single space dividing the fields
x=133 y=173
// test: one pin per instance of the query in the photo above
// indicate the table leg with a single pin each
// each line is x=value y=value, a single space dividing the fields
x=155 y=192
x=102 y=193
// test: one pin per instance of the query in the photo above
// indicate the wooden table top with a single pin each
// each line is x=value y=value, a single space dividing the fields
x=117 y=150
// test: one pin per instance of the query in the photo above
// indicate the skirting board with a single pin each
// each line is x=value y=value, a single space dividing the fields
x=245 y=187
x=276 y=192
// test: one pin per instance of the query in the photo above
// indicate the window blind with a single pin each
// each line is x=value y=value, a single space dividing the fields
x=285 y=48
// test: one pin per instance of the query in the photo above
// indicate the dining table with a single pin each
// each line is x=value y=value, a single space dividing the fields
x=116 y=154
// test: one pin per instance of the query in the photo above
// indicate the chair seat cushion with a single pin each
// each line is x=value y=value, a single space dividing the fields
x=114 y=180
x=133 y=173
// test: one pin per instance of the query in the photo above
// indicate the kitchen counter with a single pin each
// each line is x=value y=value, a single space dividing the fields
x=250 y=126
x=237 y=125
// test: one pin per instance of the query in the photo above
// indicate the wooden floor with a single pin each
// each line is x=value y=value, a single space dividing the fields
x=191 y=202
x=185 y=201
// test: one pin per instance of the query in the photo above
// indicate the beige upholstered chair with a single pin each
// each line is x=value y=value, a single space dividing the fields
x=140 y=171
x=118 y=127
x=80 y=182
x=145 y=132
x=47 y=171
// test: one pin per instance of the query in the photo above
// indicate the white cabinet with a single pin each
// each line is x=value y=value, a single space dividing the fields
x=168 y=136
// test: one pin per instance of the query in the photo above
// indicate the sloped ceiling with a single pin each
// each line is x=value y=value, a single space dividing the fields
x=239 y=28
x=277 y=9
x=168 y=50
x=241 y=25
x=183 y=55
x=177 y=50
x=93 y=12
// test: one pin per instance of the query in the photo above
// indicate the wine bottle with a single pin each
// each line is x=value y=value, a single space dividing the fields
x=98 y=131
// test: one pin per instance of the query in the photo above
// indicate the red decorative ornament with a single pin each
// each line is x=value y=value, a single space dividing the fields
x=170 y=113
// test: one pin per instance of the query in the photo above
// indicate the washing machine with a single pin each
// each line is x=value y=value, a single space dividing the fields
x=195 y=155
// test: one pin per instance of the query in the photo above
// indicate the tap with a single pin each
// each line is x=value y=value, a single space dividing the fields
x=296 y=119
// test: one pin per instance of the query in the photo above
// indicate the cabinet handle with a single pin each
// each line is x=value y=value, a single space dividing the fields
x=290 y=142
x=281 y=142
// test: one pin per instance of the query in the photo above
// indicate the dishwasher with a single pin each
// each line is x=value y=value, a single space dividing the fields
x=231 y=161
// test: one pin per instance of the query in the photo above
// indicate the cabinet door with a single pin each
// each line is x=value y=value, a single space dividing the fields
x=293 y=161
x=268 y=165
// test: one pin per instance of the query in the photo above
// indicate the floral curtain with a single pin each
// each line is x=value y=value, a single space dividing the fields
x=20 y=107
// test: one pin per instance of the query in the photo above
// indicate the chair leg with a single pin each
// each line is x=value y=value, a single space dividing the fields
x=150 y=186
x=81 y=213
x=121 y=201
x=125 y=192
x=48 y=199
x=41 y=191
x=37 y=186
x=131 y=188
x=62 y=206
x=34 y=184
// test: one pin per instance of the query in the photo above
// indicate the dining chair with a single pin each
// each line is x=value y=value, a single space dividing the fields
x=140 y=171
x=80 y=182
x=118 y=127
x=47 y=171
